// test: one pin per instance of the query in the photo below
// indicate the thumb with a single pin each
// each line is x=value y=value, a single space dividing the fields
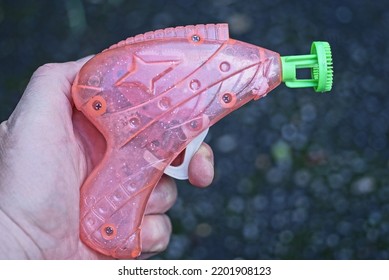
x=48 y=92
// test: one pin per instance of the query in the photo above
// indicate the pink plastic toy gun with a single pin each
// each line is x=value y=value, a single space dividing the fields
x=156 y=94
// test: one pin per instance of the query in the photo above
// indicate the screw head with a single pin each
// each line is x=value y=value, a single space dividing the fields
x=108 y=230
x=97 y=105
x=227 y=98
x=196 y=38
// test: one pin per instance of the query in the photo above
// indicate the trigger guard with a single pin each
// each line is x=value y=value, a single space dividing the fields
x=181 y=172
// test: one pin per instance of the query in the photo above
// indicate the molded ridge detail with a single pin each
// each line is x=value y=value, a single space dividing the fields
x=217 y=32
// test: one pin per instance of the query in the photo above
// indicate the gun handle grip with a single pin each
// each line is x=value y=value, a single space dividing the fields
x=112 y=210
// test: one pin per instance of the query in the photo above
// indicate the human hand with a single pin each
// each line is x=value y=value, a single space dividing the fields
x=47 y=149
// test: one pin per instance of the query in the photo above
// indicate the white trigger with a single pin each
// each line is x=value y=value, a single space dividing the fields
x=181 y=172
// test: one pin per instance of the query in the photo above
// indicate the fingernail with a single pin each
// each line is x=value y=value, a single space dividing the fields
x=206 y=153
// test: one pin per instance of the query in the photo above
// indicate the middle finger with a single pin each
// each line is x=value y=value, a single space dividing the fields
x=163 y=196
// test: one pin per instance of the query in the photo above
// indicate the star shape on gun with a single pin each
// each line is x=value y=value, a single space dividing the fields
x=145 y=74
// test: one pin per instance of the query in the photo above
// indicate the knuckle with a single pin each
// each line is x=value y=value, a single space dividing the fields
x=163 y=197
x=169 y=192
x=45 y=69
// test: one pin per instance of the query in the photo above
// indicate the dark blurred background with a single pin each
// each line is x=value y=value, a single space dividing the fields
x=299 y=175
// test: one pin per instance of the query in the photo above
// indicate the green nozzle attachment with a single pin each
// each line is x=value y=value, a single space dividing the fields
x=320 y=63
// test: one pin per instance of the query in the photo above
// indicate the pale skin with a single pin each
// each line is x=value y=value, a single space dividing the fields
x=47 y=149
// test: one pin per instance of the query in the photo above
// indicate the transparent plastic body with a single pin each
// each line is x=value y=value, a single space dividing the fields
x=149 y=96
